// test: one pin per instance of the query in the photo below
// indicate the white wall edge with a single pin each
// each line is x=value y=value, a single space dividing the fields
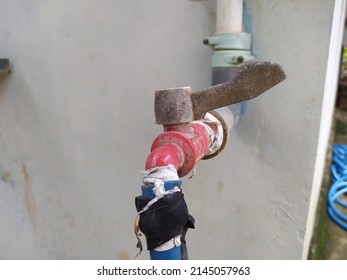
x=330 y=91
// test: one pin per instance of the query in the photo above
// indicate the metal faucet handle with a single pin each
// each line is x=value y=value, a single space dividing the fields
x=250 y=81
x=178 y=105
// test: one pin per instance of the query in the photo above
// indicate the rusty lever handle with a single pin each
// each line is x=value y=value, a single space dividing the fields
x=249 y=82
x=178 y=105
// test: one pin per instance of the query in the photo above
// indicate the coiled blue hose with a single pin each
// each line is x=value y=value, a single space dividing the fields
x=339 y=186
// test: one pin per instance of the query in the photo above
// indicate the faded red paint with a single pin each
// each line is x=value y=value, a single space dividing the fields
x=182 y=145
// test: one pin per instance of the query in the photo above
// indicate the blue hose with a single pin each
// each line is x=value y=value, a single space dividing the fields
x=175 y=252
x=339 y=186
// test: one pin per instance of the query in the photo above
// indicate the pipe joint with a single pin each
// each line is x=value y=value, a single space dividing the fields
x=229 y=41
x=231 y=49
x=181 y=145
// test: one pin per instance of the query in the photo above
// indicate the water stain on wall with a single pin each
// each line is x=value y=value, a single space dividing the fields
x=69 y=221
x=29 y=197
x=220 y=187
x=5 y=176
x=123 y=255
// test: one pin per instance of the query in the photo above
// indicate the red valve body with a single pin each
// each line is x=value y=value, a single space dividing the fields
x=181 y=145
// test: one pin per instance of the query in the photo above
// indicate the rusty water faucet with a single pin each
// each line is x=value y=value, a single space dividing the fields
x=182 y=104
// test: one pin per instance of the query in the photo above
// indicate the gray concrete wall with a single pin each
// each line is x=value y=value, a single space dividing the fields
x=77 y=122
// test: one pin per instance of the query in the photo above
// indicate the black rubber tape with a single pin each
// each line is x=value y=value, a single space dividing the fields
x=165 y=219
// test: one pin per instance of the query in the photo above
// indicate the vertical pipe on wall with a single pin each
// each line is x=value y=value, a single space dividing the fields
x=229 y=43
x=229 y=16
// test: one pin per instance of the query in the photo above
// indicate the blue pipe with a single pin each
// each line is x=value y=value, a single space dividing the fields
x=175 y=252
x=339 y=186
x=172 y=254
